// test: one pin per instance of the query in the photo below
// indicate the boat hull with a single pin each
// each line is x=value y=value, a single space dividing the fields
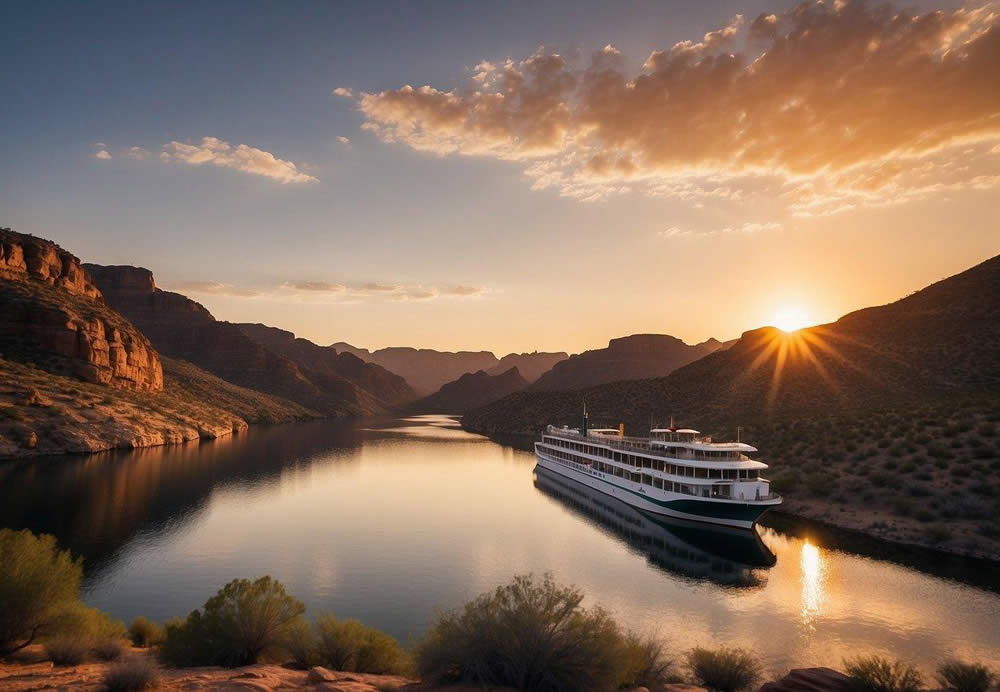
x=738 y=514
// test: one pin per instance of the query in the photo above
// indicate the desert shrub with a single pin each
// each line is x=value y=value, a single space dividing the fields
x=300 y=643
x=37 y=583
x=66 y=650
x=877 y=674
x=110 y=649
x=965 y=677
x=145 y=633
x=245 y=621
x=725 y=670
x=132 y=673
x=986 y=429
x=901 y=505
x=646 y=663
x=350 y=645
x=527 y=634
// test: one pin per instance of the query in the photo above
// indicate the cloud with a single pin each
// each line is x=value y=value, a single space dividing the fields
x=103 y=155
x=462 y=291
x=345 y=141
x=215 y=288
x=242 y=158
x=137 y=153
x=839 y=92
x=328 y=292
x=746 y=228
x=315 y=286
x=343 y=92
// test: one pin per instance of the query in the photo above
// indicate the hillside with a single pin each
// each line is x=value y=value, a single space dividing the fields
x=183 y=329
x=471 y=390
x=425 y=369
x=321 y=363
x=635 y=357
x=940 y=341
x=530 y=365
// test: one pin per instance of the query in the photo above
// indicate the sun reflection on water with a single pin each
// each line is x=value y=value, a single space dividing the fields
x=813 y=567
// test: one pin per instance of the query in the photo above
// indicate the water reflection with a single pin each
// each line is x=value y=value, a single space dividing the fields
x=96 y=504
x=813 y=576
x=727 y=557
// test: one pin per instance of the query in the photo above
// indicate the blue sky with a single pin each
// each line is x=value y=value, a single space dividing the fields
x=475 y=257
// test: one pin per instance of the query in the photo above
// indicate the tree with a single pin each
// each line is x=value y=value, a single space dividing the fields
x=38 y=583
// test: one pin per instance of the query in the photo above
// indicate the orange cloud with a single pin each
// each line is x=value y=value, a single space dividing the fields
x=856 y=96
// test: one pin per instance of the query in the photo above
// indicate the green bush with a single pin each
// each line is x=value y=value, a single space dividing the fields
x=245 y=621
x=527 y=634
x=131 y=674
x=965 y=677
x=646 y=663
x=300 y=643
x=725 y=670
x=110 y=649
x=37 y=583
x=877 y=674
x=350 y=645
x=66 y=650
x=145 y=633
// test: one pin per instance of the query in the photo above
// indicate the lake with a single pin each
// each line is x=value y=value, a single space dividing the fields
x=391 y=521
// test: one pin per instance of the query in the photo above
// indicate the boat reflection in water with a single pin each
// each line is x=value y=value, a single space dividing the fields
x=726 y=556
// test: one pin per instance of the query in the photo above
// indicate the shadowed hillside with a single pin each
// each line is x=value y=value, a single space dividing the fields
x=321 y=363
x=182 y=328
x=530 y=365
x=633 y=357
x=470 y=391
x=941 y=341
x=425 y=369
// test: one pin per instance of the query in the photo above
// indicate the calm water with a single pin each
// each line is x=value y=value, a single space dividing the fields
x=391 y=522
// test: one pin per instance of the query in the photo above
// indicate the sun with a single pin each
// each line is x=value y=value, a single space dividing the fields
x=790 y=318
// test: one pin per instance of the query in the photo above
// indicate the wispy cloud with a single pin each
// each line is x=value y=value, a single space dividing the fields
x=799 y=97
x=103 y=155
x=318 y=291
x=215 y=288
x=137 y=153
x=345 y=141
x=217 y=152
x=343 y=92
x=746 y=228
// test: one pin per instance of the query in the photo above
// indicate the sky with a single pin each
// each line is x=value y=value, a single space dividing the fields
x=509 y=176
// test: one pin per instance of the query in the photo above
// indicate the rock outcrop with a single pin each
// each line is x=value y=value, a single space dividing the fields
x=811 y=680
x=635 y=357
x=55 y=316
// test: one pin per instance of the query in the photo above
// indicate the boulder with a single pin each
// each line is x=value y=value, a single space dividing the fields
x=811 y=680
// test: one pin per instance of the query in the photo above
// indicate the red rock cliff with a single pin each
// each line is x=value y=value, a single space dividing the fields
x=54 y=316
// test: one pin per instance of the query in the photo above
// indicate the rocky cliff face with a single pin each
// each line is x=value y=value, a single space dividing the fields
x=633 y=357
x=182 y=328
x=55 y=316
x=530 y=365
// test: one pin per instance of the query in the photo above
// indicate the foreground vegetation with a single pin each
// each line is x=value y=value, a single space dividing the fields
x=529 y=634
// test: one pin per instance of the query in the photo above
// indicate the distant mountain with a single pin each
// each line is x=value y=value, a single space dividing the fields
x=530 y=365
x=633 y=357
x=323 y=362
x=182 y=328
x=939 y=342
x=426 y=370
x=470 y=391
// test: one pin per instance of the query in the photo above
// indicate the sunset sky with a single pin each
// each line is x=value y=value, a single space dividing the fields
x=509 y=177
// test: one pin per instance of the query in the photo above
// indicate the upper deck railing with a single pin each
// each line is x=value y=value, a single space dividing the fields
x=638 y=443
